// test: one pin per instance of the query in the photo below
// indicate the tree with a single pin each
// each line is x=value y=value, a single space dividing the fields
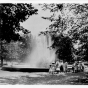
x=63 y=45
x=10 y=17
x=72 y=20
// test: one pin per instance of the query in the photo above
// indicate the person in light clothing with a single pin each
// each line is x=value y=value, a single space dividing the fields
x=52 y=68
x=57 y=66
x=65 y=66
x=61 y=66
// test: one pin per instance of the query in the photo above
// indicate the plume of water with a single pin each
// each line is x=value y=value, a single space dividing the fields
x=42 y=55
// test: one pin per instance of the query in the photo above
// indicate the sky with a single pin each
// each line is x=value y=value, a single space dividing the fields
x=35 y=23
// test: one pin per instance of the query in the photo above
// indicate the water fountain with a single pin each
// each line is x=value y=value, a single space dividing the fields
x=40 y=57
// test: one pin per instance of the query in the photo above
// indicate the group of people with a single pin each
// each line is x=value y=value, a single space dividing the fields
x=78 y=66
x=60 y=66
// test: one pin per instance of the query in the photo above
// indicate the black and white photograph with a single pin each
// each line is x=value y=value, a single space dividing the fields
x=43 y=43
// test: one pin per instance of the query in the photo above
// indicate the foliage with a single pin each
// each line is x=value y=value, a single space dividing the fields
x=63 y=46
x=11 y=15
x=70 y=20
x=16 y=50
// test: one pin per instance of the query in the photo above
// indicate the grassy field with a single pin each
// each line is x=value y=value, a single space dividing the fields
x=42 y=78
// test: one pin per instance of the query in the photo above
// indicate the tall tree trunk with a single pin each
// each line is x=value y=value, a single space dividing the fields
x=1 y=61
x=1 y=54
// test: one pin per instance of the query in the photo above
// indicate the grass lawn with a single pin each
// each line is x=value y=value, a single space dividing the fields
x=42 y=78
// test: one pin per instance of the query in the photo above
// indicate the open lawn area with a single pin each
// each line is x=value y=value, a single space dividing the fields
x=42 y=78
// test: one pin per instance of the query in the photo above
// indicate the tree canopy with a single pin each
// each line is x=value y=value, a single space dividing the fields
x=10 y=17
x=71 y=20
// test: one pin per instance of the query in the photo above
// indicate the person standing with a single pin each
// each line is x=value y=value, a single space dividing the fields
x=61 y=66
x=65 y=66
x=57 y=66
x=75 y=66
x=52 y=68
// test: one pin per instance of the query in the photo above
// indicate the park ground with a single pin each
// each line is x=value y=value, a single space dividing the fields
x=42 y=78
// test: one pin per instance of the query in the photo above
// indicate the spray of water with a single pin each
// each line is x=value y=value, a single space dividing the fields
x=42 y=55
